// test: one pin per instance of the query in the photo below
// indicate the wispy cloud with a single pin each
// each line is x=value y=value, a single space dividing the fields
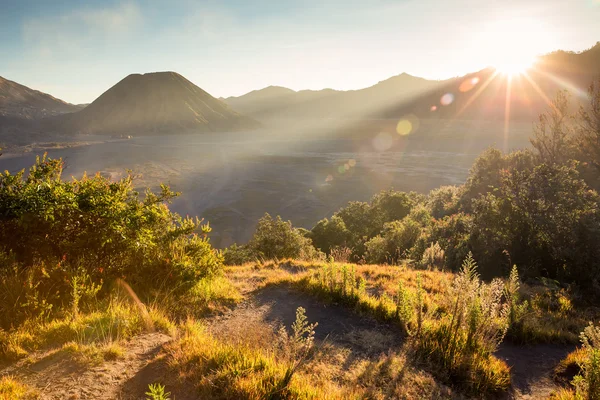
x=73 y=31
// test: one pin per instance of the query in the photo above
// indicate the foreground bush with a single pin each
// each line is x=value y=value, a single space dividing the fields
x=462 y=343
x=63 y=243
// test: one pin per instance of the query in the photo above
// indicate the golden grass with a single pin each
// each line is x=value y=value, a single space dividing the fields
x=551 y=317
x=240 y=358
x=12 y=389
x=570 y=366
x=118 y=321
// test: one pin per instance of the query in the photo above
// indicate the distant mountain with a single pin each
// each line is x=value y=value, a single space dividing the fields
x=22 y=102
x=153 y=103
x=279 y=102
x=488 y=94
x=478 y=95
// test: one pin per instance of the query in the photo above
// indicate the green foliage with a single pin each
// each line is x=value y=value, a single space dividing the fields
x=65 y=242
x=588 y=137
x=453 y=234
x=390 y=205
x=237 y=255
x=546 y=219
x=329 y=234
x=587 y=384
x=156 y=391
x=443 y=201
x=276 y=238
x=397 y=238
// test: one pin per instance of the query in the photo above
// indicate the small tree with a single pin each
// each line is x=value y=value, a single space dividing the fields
x=276 y=238
x=553 y=136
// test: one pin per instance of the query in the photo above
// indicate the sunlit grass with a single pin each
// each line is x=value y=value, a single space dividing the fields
x=119 y=321
x=12 y=389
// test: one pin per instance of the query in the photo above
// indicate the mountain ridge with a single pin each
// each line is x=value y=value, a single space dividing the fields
x=17 y=100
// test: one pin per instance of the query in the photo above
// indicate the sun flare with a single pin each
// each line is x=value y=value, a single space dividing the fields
x=511 y=45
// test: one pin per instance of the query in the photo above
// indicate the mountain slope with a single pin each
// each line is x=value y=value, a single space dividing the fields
x=151 y=103
x=20 y=101
x=480 y=95
x=278 y=102
x=487 y=94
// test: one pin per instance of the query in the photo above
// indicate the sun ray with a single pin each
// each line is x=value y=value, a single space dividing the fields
x=477 y=93
x=564 y=83
x=507 y=110
x=537 y=88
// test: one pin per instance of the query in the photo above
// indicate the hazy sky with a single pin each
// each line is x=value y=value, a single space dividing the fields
x=75 y=50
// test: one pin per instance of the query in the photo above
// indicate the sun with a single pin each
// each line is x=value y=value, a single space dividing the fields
x=511 y=44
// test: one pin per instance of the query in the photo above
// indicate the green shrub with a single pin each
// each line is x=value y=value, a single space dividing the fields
x=63 y=240
x=276 y=238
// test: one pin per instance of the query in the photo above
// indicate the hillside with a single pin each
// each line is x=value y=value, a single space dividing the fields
x=20 y=101
x=487 y=93
x=479 y=95
x=155 y=103
x=281 y=102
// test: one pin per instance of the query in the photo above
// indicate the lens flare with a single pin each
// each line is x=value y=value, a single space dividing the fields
x=447 y=99
x=352 y=162
x=329 y=178
x=383 y=141
x=433 y=108
x=404 y=127
x=468 y=84
x=407 y=125
x=341 y=169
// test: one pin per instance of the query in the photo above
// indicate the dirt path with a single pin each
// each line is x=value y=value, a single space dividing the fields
x=531 y=368
x=57 y=376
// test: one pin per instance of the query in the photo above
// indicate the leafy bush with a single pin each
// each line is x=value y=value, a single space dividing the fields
x=397 y=238
x=237 y=255
x=276 y=238
x=63 y=240
x=443 y=201
x=453 y=234
x=329 y=234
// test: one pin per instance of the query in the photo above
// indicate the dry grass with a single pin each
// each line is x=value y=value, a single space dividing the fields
x=241 y=357
x=119 y=321
x=551 y=316
x=12 y=389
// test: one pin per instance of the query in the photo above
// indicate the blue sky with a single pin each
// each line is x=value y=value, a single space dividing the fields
x=75 y=50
